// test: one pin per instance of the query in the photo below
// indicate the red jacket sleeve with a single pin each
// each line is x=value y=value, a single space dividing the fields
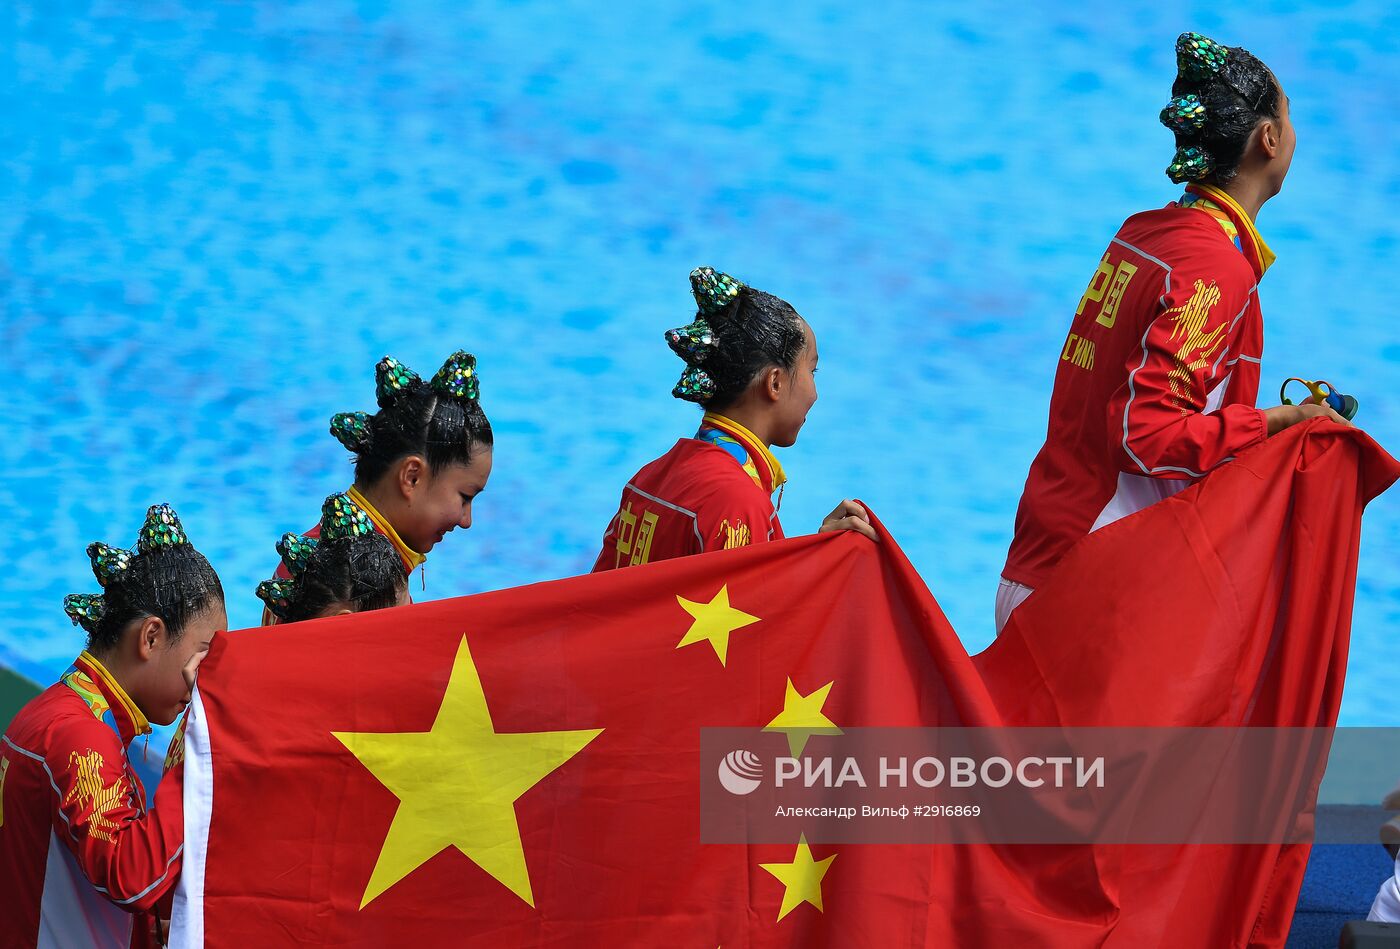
x=1157 y=419
x=130 y=857
x=738 y=519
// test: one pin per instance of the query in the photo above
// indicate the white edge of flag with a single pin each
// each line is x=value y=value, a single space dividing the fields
x=187 y=920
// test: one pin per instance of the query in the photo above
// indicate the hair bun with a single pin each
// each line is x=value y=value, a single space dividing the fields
x=695 y=385
x=1199 y=57
x=692 y=342
x=84 y=609
x=108 y=562
x=295 y=551
x=277 y=594
x=1184 y=115
x=162 y=529
x=458 y=377
x=713 y=290
x=390 y=378
x=342 y=518
x=352 y=430
x=1190 y=163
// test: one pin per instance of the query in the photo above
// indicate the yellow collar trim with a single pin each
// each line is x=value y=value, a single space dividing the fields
x=117 y=693
x=1266 y=256
x=412 y=559
x=753 y=444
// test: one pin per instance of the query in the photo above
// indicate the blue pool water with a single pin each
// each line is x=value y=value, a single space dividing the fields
x=218 y=216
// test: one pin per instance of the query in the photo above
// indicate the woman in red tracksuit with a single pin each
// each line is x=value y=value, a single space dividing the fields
x=83 y=862
x=1158 y=377
x=750 y=362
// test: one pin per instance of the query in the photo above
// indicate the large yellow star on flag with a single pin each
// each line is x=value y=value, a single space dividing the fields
x=801 y=879
x=713 y=622
x=457 y=784
x=802 y=717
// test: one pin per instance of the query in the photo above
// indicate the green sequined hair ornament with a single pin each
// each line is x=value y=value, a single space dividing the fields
x=296 y=552
x=108 y=562
x=352 y=430
x=1190 y=163
x=1198 y=57
x=692 y=342
x=458 y=377
x=84 y=609
x=695 y=385
x=161 y=530
x=696 y=341
x=390 y=378
x=277 y=594
x=1184 y=115
x=343 y=518
x=713 y=290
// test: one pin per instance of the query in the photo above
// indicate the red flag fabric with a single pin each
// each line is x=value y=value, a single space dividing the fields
x=521 y=768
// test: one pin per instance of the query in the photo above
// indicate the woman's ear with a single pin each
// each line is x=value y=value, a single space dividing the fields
x=411 y=472
x=151 y=636
x=1266 y=137
x=774 y=383
x=1270 y=138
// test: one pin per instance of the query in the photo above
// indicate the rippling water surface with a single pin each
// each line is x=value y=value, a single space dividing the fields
x=215 y=218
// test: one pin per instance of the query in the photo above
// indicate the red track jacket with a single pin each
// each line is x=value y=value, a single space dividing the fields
x=79 y=853
x=710 y=492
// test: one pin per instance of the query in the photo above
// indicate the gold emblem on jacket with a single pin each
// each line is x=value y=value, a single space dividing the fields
x=1197 y=346
x=89 y=791
x=735 y=535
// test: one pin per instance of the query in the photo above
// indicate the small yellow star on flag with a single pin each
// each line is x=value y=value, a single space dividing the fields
x=802 y=717
x=801 y=879
x=713 y=622
x=457 y=784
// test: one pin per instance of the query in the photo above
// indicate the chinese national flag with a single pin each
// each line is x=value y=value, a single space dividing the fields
x=521 y=768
